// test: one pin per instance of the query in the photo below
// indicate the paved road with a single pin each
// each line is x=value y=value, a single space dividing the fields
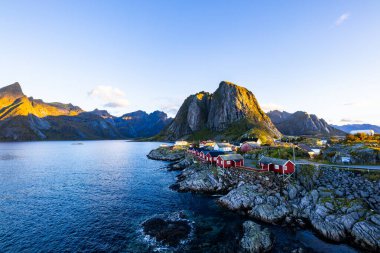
x=362 y=167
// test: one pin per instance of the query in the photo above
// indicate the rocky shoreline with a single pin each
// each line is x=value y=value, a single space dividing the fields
x=165 y=154
x=341 y=206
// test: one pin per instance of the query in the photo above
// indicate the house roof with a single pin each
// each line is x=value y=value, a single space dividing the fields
x=276 y=161
x=305 y=147
x=216 y=153
x=251 y=143
x=223 y=145
x=233 y=157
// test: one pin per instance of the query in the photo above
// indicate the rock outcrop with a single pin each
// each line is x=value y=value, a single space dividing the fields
x=166 y=154
x=230 y=112
x=255 y=239
x=169 y=229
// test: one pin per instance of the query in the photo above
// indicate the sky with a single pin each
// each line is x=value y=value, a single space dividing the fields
x=322 y=57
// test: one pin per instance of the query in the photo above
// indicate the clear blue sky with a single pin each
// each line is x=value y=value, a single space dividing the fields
x=322 y=57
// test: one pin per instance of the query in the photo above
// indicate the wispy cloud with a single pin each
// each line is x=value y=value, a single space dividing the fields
x=351 y=121
x=342 y=18
x=170 y=105
x=271 y=107
x=112 y=97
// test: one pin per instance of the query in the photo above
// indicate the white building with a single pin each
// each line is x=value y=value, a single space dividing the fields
x=346 y=159
x=181 y=143
x=367 y=132
x=221 y=146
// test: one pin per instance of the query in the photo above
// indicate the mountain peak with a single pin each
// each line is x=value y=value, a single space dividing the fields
x=230 y=112
x=13 y=90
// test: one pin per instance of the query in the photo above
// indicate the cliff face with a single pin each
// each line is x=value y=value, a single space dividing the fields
x=302 y=123
x=191 y=117
x=230 y=112
x=26 y=118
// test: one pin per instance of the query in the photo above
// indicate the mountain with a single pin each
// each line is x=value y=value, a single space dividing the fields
x=229 y=113
x=302 y=123
x=350 y=127
x=141 y=124
x=26 y=118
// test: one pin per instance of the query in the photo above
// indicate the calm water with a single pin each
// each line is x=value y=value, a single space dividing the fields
x=60 y=196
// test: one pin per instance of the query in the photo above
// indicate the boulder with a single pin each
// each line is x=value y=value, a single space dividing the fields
x=167 y=230
x=255 y=239
x=367 y=235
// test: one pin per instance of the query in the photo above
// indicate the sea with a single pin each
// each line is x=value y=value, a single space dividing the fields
x=93 y=196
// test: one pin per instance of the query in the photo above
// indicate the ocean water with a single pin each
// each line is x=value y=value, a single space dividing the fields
x=92 y=196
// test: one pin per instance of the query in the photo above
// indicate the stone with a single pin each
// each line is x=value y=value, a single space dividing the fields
x=367 y=235
x=167 y=231
x=255 y=239
x=292 y=191
x=339 y=193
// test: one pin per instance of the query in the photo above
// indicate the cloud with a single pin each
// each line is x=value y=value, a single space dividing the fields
x=169 y=105
x=271 y=107
x=171 y=110
x=112 y=97
x=342 y=18
x=345 y=120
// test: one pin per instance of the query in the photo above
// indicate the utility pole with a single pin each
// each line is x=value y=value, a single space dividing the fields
x=294 y=156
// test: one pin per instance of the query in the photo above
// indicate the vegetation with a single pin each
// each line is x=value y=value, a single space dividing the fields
x=362 y=137
x=279 y=152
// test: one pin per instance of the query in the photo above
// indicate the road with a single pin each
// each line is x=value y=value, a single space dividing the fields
x=360 y=167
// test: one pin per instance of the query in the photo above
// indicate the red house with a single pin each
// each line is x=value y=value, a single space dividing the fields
x=203 y=154
x=230 y=160
x=198 y=151
x=248 y=146
x=212 y=156
x=277 y=165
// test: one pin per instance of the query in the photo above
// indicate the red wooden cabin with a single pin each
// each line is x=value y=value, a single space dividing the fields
x=212 y=156
x=230 y=160
x=277 y=165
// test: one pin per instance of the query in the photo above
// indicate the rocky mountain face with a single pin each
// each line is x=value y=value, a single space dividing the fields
x=302 y=123
x=141 y=124
x=351 y=127
x=230 y=112
x=26 y=118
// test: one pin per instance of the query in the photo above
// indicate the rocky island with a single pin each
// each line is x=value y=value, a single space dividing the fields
x=341 y=206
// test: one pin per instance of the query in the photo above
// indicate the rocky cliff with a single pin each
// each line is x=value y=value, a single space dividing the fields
x=26 y=118
x=230 y=112
x=302 y=123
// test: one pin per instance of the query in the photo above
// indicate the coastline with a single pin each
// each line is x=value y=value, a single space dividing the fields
x=312 y=199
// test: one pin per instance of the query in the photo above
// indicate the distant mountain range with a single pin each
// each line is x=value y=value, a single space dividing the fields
x=302 y=123
x=231 y=112
x=350 y=127
x=26 y=118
